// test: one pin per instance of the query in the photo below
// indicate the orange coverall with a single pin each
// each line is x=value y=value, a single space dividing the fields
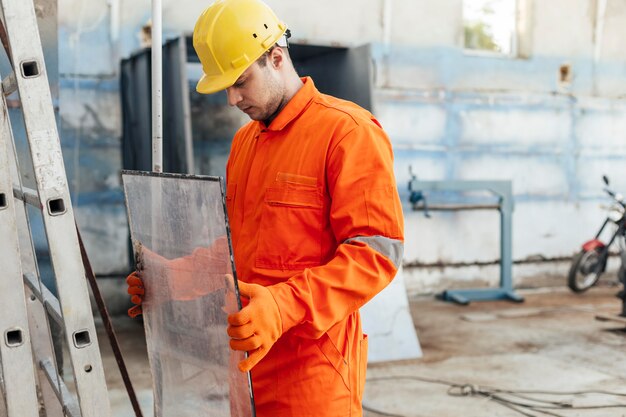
x=315 y=217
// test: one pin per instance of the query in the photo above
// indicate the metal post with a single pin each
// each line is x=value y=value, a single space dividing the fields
x=184 y=89
x=503 y=190
x=506 y=238
x=157 y=87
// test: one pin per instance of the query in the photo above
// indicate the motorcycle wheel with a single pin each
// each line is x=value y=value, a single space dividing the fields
x=587 y=266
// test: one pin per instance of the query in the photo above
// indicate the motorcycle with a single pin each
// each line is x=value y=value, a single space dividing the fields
x=589 y=264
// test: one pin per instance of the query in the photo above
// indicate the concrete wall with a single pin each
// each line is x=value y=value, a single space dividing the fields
x=450 y=115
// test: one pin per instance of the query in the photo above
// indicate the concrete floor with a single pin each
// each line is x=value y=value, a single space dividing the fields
x=551 y=342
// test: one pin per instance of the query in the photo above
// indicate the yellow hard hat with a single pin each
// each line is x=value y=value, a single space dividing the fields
x=229 y=36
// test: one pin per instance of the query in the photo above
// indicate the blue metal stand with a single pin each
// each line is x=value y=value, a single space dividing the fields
x=503 y=190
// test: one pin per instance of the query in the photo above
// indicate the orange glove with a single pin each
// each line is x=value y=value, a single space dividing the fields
x=136 y=291
x=257 y=326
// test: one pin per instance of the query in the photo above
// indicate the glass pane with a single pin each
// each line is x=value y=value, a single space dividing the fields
x=181 y=244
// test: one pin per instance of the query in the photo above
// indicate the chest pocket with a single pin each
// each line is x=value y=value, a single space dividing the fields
x=291 y=227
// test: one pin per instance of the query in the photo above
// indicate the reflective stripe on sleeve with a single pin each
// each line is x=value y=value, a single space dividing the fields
x=392 y=249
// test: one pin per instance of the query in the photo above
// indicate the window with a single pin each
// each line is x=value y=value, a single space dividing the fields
x=490 y=26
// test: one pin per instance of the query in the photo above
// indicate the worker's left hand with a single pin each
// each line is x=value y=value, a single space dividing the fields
x=257 y=326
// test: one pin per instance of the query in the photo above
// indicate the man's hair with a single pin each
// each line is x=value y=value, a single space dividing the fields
x=262 y=61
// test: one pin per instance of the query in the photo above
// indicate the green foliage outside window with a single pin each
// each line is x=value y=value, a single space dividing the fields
x=479 y=36
x=489 y=25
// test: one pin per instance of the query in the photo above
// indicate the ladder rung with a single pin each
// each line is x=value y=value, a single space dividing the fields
x=50 y=302
x=28 y=196
x=70 y=406
x=9 y=84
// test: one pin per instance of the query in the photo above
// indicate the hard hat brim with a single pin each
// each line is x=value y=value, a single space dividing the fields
x=210 y=85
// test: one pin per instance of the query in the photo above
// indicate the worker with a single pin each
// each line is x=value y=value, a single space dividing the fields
x=316 y=221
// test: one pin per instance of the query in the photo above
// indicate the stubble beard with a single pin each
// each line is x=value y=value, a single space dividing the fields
x=275 y=103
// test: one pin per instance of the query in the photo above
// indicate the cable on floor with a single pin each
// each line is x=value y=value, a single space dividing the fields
x=520 y=401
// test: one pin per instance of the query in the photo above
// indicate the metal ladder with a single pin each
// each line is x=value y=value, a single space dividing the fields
x=26 y=351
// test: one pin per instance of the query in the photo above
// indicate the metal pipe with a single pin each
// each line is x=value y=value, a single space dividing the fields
x=186 y=106
x=114 y=10
x=599 y=30
x=457 y=207
x=157 y=86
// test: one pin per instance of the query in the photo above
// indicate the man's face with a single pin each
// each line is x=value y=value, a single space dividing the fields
x=258 y=92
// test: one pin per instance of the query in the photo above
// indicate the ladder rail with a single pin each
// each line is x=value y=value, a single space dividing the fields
x=41 y=336
x=58 y=217
x=15 y=347
x=44 y=352
x=3 y=407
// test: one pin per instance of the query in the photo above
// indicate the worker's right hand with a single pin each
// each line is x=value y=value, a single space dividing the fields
x=136 y=291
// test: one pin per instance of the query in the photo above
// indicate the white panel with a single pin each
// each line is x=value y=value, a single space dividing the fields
x=388 y=323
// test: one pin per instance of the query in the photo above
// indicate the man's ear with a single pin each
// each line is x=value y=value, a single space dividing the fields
x=277 y=57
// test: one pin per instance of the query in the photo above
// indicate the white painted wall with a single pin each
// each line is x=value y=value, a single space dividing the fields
x=450 y=115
